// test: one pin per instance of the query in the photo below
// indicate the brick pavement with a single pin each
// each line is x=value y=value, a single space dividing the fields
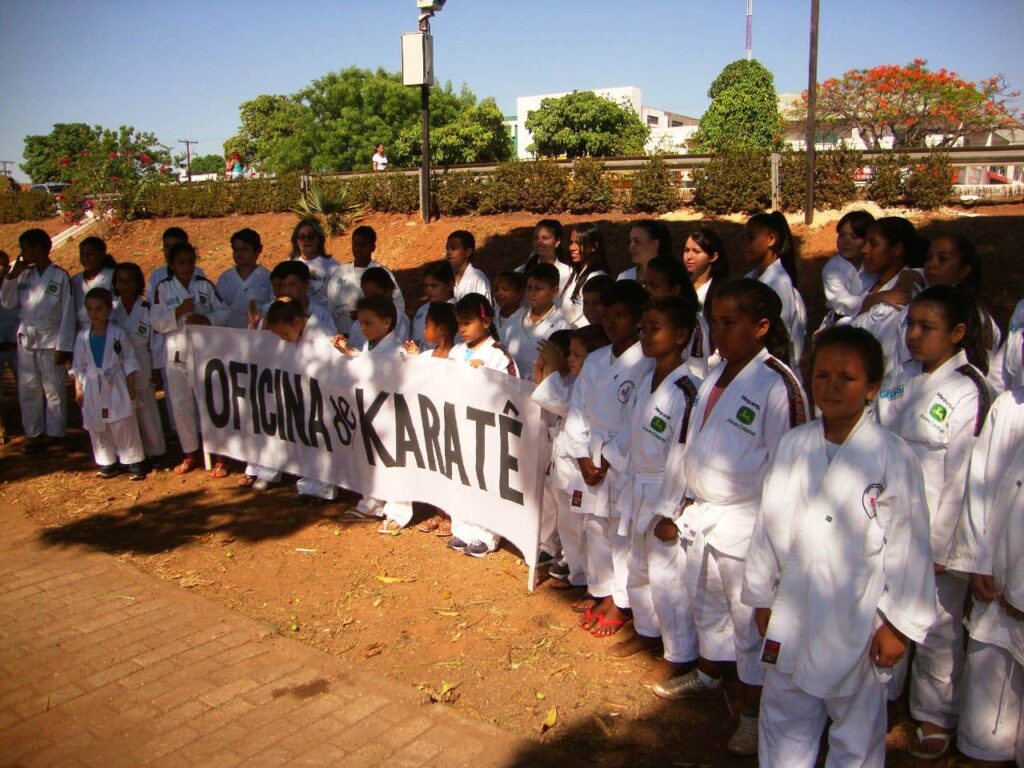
x=103 y=665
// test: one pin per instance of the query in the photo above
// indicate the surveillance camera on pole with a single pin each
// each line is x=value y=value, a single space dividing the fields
x=418 y=71
x=427 y=9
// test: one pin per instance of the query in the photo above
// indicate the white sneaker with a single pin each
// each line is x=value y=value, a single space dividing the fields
x=688 y=686
x=744 y=741
x=368 y=507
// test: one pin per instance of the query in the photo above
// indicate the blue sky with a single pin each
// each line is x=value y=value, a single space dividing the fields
x=180 y=69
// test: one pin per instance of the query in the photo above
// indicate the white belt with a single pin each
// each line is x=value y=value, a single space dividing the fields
x=696 y=523
x=630 y=501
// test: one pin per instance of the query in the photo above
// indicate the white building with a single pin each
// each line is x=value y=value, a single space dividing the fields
x=669 y=130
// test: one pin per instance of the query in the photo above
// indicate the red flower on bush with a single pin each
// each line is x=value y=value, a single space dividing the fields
x=64 y=161
x=59 y=197
x=112 y=155
x=83 y=152
x=115 y=179
x=145 y=159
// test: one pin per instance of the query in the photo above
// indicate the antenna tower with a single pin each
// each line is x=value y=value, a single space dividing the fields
x=750 y=28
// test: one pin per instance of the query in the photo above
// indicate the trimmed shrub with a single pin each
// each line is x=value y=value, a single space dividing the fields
x=26 y=206
x=653 y=190
x=737 y=181
x=834 y=186
x=385 y=192
x=537 y=186
x=886 y=185
x=590 y=191
x=930 y=184
x=456 y=194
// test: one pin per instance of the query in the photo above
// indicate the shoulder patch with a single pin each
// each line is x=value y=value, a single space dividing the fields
x=984 y=398
x=697 y=345
x=689 y=390
x=797 y=411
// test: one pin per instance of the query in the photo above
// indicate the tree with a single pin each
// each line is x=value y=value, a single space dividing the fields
x=208 y=164
x=911 y=103
x=477 y=135
x=266 y=120
x=744 y=111
x=59 y=155
x=583 y=124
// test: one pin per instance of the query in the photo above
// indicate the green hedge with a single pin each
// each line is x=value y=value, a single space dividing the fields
x=26 y=206
x=898 y=180
x=834 y=186
x=737 y=181
x=653 y=190
x=218 y=198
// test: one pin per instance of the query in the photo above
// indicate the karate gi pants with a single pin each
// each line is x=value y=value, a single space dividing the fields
x=119 y=441
x=148 y=414
x=656 y=584
x=791 y=720
x=572 y=535
x=726 y=629
x=178 y=388
x=396 y=511
x=307 y=486
x=939 y=659
x=599 y=563
x=549 y=538
x=260 y=472
x=42 y=392
x=470 y=533
x=991 y=715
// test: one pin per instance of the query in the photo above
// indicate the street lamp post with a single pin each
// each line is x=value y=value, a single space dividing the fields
x=418 y=70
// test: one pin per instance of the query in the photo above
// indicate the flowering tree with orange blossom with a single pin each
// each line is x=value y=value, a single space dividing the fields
x=909 y=103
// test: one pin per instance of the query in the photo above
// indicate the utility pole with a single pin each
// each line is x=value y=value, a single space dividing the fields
x=6 y=164
x=812 y=100
x=188 y=155
x=425 y=135
x=418 y=71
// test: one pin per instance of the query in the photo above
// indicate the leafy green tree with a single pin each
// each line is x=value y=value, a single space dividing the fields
x=266 y=121
x=51 y=158
x=583 y=124
x=477 y=135
x=208 y=164
x=744 y=111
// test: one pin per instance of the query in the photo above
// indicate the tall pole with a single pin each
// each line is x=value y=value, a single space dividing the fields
x=812 y=100
x=425 y=134
x=188 y=155
x=750 y=29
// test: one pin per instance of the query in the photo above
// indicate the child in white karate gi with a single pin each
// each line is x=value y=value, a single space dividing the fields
x=247 y=283
x=438 y=282
x=838 y=569
x=459 y=250
x=105 y=368
x=509 y=300
x=666 y=276
x=707 y=263
x=97 y=272
x=377 y=281
x=844 y=280
x=344 y=288
x=522 y=335
x=593 y=309
x=1008 y=362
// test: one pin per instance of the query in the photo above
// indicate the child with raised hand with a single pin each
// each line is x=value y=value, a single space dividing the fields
x=705 y=260
x=597 y=409
x=666 y=276
x=479 y=348
x=104 y=368
x=657 y=418
x=844 y=280
x=41 y=292
x=542 y=318
x=132 y=314
x=938 y=407
x=309 y=246
x=769 y=250
x=713 y=486
x=97 y=272
x=185 y=298
x=989 y=548
x=547 y=247
x=459 y=250
x=648 y=238
x=593 y=309
x=438 y=283
x=344 y=288
x=247 y=284
x=509 y=300
x=588 y=257
x=376 y=281
x=838 y=566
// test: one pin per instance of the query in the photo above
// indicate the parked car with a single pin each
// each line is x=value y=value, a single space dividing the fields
x=51 y=188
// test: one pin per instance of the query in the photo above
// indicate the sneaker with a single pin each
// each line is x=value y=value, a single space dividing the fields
x=477 y=549
x=368 y=507
x=689 y=686
x=136 y=472
x=108 y=472
x=457 y=544
x=744 y=741
x=543 y=558
x=259 y=485
x=559 y=570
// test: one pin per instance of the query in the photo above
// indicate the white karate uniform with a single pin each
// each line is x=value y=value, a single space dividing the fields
x=81 y=286
x=572 y=306
x=473 y=280
x=521 y=337
x=845 y=285
x=702 y=295
x=47 y=326
x=1007 y=370
x=838 y=544
x=492 y=355
x=321 y=268
x=237 y=293
x=886 y=324
x=656 y=419
x=8 y=336
x=597 y=411
x=504 y=323
x=108 y=412
x=159 y=344
x=170 y=293
x=357 y=340
x=564 y=273
x=697 y=355
x=990 y=540
x=721 y=468
x=794 y=311
x=138 y=327
x=344 y=290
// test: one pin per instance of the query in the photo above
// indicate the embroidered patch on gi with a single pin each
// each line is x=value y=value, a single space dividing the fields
x=52 y=288
x=143 y=329
x=203 y=299
x=770 y=655
x=625 y=390
x=577 y=499
x=938 y=412
x=745 y=415
x=828 y=518
x=658 y=424
x=891 y=394
x=869 y=499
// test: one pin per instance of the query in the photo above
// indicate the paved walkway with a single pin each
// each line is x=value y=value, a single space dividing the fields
x=103 y=665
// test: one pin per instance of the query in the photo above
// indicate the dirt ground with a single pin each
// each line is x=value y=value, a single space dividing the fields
x=465 y=631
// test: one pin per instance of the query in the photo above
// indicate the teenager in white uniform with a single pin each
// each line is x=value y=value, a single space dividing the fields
x=438 y=281
x=648 y=239
x=547 y=248
x=708 y=265
x=593 y=309
x=131 y=312
x=41 y=292
x=542 y=317
x=247 y=284
x=377 y=281
x=344 y=288
x=183 y=299
x=8 y=342
x=713 y=485
x=938 y=406
x=104 y=368
x=657 y=418
x=97 y=272
x=480 y=348
x=666 y=276
x=587 y=254
x=843 y=278
x=838 y=568
x=459 y=250
x=989 y=545
x=309 y=245
x=597 y=411
x=768 y=247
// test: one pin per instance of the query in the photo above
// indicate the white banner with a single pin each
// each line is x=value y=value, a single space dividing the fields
x=469 y=441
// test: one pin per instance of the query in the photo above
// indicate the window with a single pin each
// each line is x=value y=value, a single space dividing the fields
x=653 y=120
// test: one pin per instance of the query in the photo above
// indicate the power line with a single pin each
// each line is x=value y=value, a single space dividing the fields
x=188 y=155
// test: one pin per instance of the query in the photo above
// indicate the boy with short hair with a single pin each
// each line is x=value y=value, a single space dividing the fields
x=344 y=288
x=376 y=281
x=247 y=282
x=509 y=304
x=541 y=319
